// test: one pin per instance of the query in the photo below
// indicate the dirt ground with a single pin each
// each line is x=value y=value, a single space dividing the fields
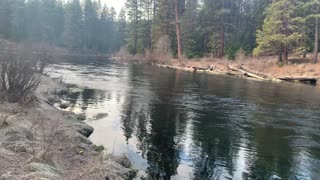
x=265 y=66
x=39 y=141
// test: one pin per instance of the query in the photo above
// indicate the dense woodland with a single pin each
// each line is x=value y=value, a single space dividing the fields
x=72 y=24
x=192 y=28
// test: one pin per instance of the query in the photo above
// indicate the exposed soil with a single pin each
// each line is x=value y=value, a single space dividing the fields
x=296 y=70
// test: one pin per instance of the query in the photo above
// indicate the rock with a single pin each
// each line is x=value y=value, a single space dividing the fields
x=83 y=140
x=101 y=116
x=64 y=105
x=99 y=148
x=84 y=129
x=81 y=117
x=123 y=161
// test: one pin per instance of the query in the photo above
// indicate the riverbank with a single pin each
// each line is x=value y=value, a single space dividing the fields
x=262 y=69
x=39 y=141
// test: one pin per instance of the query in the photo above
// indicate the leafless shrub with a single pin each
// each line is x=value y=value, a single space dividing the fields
x=44 y=56
x=163 y=46
x=241 y=55
x=45 y=134
x=3 y=121
x=162 y=51
x=149 y=56
x=18 y=80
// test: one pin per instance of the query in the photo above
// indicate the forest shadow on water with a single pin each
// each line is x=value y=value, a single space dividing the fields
x=179 y=125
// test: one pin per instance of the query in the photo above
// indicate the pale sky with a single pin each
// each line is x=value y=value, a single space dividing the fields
x=117 y=4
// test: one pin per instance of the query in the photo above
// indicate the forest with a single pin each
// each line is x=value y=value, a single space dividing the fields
x=188 y=28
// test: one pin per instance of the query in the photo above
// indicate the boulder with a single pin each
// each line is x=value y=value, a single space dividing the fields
x=84 y=129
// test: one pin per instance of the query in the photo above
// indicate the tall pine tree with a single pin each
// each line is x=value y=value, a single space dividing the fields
x=281 y=29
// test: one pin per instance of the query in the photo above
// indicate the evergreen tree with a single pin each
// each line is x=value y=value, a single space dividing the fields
x=164 y=23
x=121 y=29
x=90 y=25
x=104 y=30
x=52 y=20
x=281 y=29
x=73 y=25
x=134 y=16
x=313 y=14
x=5 y=17
x=190 y=30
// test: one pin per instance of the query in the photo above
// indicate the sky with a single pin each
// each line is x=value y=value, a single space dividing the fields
x=117 y=4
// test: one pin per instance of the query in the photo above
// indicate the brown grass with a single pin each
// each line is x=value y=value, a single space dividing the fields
x=268 y=65
x=39 y=141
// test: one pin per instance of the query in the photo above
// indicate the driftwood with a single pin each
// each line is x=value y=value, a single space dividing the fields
x=247 y=73
x=242 y=71
x=254 y=72
x=305 y=80
x=209 y=68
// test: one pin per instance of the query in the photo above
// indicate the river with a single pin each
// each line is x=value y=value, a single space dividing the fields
x=181 y=125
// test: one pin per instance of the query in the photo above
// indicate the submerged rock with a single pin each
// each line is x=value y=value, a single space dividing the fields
x=101 y=116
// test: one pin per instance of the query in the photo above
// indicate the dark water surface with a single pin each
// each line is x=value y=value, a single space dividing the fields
x=180 y=125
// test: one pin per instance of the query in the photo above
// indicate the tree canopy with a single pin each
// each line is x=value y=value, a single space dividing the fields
x=214 y=28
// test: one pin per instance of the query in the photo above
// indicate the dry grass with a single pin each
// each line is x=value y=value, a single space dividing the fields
x=39 y=141
x=267 y=65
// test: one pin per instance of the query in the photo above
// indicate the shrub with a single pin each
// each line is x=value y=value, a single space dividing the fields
x=18 y=79
x=44 y=56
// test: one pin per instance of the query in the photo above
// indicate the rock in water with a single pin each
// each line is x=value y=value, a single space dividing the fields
x=84 y=129
x=101 y=116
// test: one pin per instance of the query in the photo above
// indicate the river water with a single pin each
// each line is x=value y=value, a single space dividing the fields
x=181 y=125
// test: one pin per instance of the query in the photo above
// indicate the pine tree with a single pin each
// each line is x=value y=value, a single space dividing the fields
x=112 y=27
x=73 y=25
x=134 y=16
x=191 y=30
x=5 y=17
x=90 y=24
x=313 y=9
x=177 y=15
x=52 y=18
x=34 y=27
x=104 y=30
x=216 y=18
x=164 y=35
x=19 y=21
x=121 y=28
x=281 y=29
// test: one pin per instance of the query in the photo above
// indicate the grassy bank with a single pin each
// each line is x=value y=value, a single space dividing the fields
x=39 y=141
x=262 y=68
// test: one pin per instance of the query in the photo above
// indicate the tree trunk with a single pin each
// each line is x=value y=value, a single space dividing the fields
x=285 y=54
x=135 y=38
x=222 y=42
x=316 y=42
x=280 y=57
x=178 y=29
x=304 y=55
x=135 y=42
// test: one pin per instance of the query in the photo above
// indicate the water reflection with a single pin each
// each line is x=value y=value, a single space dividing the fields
x=177 y=125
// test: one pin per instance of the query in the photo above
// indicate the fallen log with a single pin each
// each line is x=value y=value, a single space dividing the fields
x=246 y=73
x=209 y=68
x=254 y=72
x=305 y=80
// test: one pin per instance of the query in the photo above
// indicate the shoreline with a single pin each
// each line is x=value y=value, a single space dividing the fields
x=38 y=140
x=265 y=69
